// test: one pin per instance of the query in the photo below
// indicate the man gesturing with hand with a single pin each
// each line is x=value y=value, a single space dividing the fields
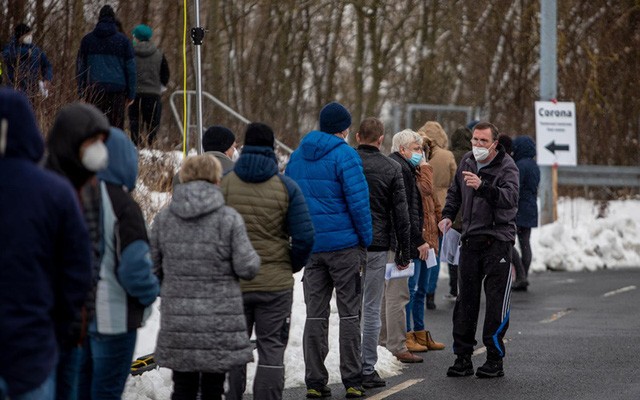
x=485 y=189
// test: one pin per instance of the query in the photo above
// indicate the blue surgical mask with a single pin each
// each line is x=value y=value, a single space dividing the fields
x=415 y=159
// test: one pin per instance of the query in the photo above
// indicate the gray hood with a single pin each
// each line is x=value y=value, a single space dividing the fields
x=145 y=49
x=195 y=198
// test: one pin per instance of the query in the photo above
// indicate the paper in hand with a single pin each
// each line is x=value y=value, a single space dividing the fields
x=392 y=271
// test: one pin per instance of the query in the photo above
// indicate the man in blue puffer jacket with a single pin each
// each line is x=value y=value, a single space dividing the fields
x=106 y=68
x=330 y=175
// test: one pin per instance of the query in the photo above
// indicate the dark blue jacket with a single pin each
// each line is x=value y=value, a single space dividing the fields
x=45 y=260
x=28 y=64
x=330 y=175
x=127 y=284
x=524 y=151
x=106 y=60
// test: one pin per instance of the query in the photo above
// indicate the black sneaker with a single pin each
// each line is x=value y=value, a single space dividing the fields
x=318 y=393
x=462 y=367
x=490 y=369
x=373 y=381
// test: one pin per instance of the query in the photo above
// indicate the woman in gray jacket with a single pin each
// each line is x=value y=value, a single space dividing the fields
x=200 y=248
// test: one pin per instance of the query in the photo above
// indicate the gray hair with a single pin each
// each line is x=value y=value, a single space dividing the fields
x=404 y=138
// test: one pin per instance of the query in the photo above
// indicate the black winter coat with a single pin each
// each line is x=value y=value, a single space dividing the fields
x=490 y=210
x=414 y=202
x=388 y=202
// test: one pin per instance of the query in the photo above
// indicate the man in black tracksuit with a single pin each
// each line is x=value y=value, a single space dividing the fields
x=486 y=190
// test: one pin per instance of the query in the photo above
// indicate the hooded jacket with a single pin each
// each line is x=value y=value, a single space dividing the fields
x=127 y=284
x=490 y=210
x=26 y=64
x=106 y=60
x=388 y=202
x=275 y=214
x=524 y=152
x=44 y=252
x=441 y=159
x=152 y=69
x=461 y=143
x=200 y=248
x=329 y=173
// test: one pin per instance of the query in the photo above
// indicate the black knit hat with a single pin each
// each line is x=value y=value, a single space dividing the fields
x=334 y=118
x=106 y=11
x=21 y=30
x=218 y=138
x=259 y=134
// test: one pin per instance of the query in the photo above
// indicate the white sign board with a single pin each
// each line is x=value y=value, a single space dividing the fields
x=556 y=133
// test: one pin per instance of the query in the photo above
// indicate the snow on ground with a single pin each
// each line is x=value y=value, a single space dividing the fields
x=577 y=241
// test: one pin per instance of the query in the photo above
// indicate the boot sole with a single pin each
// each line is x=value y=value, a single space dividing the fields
x=485 y=375
x=459 y=374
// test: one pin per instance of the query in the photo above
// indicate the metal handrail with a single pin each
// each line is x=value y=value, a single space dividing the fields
x=219 y=103
x=599 y=175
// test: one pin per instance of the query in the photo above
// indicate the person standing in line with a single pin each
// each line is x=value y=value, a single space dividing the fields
x=329 y=173
x=76 y=151
x=280 y=229
x=200 y=250
x=45 y=254
x=26 y=64
x=486 y=189
x=432 y=213
x=407 y=151
x=524 y=152
x=460 y=145
x=390 y=217
x=152 y=74
x=127 y=286
x=444 y=169
x=106 y=68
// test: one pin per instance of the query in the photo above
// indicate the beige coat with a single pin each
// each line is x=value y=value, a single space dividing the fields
x=441 y=159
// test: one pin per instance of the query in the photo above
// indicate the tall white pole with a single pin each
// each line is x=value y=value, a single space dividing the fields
x=548 y=90
x=197 y=35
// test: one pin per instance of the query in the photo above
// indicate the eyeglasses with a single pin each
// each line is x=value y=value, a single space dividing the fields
x=482 y=142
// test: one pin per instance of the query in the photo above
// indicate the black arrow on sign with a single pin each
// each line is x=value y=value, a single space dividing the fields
x=552 y=147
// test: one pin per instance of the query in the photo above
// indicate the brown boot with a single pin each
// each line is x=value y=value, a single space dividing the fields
x=424 y=338
x=408 y=358
x=413 y=346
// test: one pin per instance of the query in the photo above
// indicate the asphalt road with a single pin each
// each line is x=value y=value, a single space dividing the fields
x=571 y=336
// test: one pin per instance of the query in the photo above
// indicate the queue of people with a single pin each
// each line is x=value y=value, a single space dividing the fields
x=223 y=252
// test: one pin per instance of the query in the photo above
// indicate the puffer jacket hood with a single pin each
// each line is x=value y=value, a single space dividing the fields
x=123 y=160
x=316 y=144
x=16 y=114
x=523 y=147
x=105 y=27
x=145 y=49
x=435 y=133
x=195 y=198
x=74 y=124
x=256 y=164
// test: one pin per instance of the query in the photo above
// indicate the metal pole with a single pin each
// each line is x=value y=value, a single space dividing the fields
x=548 y=88
x=197 y=35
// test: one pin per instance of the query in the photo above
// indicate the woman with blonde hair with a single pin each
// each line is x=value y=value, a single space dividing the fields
x=200 y=249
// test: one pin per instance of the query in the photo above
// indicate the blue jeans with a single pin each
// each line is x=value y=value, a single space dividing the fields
x=432 y=276
x=46 y=391
x=371 y=305
x=70 y=367
x=110 y=361
x=415 y=307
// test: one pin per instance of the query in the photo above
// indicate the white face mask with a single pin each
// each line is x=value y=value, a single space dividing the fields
x=28 y=39
x=235 y=155
x=95 y=157
x=480 y=153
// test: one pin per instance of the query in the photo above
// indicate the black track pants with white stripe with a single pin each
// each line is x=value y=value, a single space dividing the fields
x=485 y=260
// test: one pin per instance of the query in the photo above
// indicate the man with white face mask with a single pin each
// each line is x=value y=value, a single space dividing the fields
x=485 y=189
x=26 y=64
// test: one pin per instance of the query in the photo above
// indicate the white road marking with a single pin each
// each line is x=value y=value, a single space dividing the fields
x=395 y=389
x=618 y=291
x=556 y=316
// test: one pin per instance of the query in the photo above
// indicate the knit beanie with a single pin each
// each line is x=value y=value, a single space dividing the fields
x=259 y=134
x=142 y=32
x=334 y=118
x=107 y=12
x=21 y=30
x=218 y=138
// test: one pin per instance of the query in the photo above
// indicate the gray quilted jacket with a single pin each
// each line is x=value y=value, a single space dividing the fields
x=200 y=248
